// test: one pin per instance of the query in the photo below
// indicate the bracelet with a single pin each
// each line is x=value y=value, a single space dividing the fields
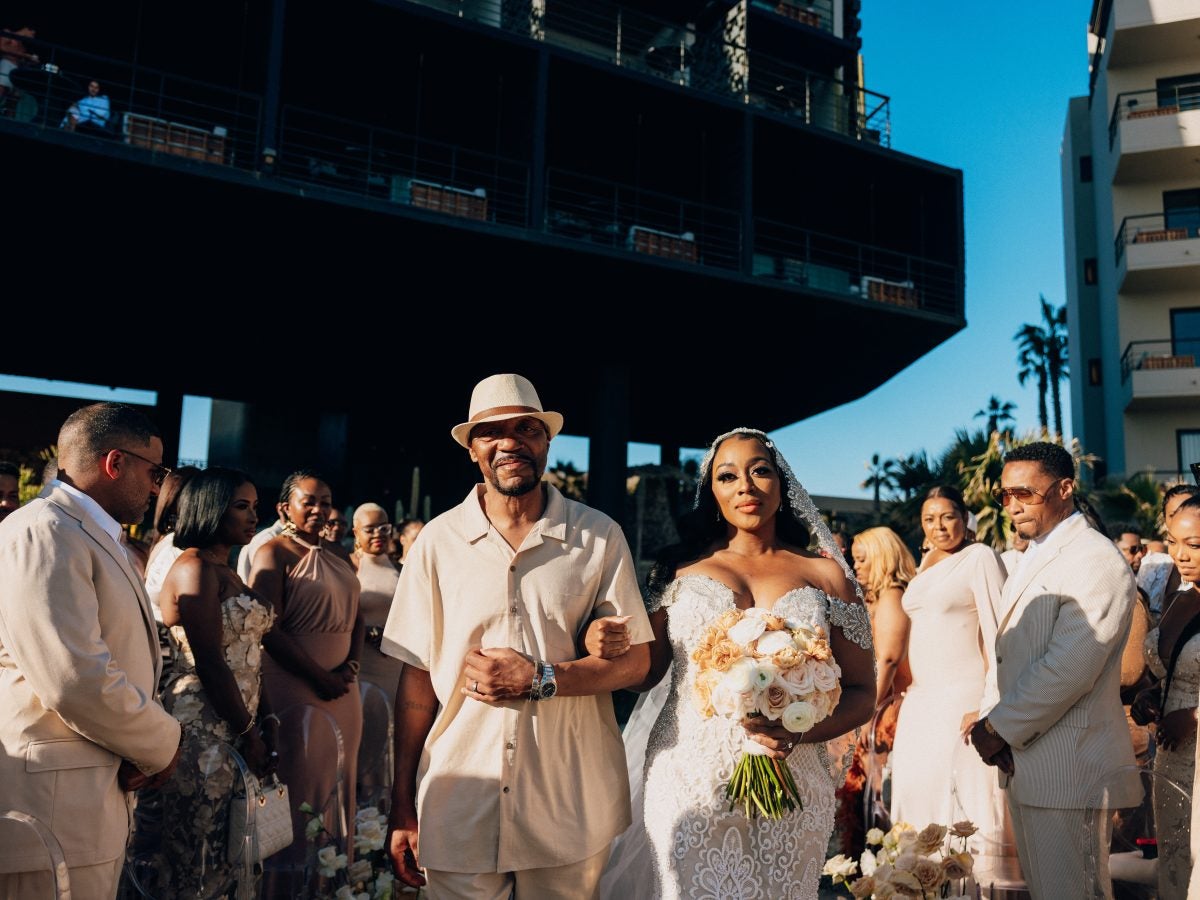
x=535 y=689
x=253 y=721
x=987 y=726
x=352 y=664
x=272 y=718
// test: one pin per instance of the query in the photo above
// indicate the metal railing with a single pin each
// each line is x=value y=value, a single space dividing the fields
x=1151 y=228
x=817 y=15
x=146 y=107
x=605 y=213
x=709 y=62
x=1152 y=102
x=837 y=265
x=356 y=158
x=1159 y=354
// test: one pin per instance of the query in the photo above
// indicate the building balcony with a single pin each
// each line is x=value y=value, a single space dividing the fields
x=1154 y=255
x=704 y=57
x=1149 y=31
x=1161 y=374
x=1154 y=135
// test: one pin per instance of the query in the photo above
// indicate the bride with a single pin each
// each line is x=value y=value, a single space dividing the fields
x=743 y=545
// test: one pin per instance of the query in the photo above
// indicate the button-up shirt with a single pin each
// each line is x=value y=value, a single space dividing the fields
x=520 y=785
x=107 y=523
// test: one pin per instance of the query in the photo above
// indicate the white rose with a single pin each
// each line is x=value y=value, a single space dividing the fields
x=369 y=836
x=839 y=868
x=747 y=630
x=799 y=717
x=773 y=641
x=367 y=812
x=728 y=702
x=875 y=836
x=345 y=892
x=764 y=674
x=824 y=678
x=330 y=861
x=740 y=677
x=798 y=679
x=867 y=860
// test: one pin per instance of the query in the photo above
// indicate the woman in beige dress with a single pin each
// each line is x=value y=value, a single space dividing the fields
x=312 y=654
x=951 y=607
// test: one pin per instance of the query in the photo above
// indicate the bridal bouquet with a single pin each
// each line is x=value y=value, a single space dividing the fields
x=753 y=663
x=908 y=863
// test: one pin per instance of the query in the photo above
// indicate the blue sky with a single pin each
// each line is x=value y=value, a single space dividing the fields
x=977 y=87
x=981 y=88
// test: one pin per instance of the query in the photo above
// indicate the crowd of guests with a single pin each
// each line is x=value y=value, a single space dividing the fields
x=265 y=641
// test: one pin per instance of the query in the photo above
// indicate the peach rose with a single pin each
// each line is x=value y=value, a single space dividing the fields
x=930 y=839
x=702 y=692
x=773 y=701
x=929 y=873
x=958 y=865
x=819 y=650
x=787 y=658
x=723 y=655
x=963 y=829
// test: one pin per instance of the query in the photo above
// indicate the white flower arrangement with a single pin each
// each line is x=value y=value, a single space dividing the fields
x=370 y=876
x=908 y=863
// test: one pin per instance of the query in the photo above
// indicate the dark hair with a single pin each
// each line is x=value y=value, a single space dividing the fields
x=1053 y=459
x=289 y=483
x=1191 y=503
x=951 y=493
x=202 y=504
x=1089 y=512
x=404 y=523
x=702 y=526
x=1126 y=528
x=11 y=469
x=1175 y=490
x=166 y=510
x=101 y=427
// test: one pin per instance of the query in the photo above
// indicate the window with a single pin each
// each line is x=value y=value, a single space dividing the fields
x=1181 y=209
x=1095 y=373
x=1182 y=91
x=1089 y=270
x=1185 y=333
x=1188 y=442
x=1085 y=168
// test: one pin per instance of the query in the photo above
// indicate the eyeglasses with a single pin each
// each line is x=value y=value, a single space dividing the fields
x=384 y=529
x=1023 y=495
x=160 y=472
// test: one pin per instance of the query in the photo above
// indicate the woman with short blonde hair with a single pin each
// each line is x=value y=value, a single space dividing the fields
x=887 y=563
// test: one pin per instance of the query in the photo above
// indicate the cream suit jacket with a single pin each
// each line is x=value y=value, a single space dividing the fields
x=79 y=663
x=1064 y=618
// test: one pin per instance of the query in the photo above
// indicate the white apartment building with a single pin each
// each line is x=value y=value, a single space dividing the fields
x=1131 y=198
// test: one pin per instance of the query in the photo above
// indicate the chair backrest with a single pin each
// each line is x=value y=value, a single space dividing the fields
x=56 y=861
x=997 y=866
x=375 y=750
x=1120 y=823
x=875 y=813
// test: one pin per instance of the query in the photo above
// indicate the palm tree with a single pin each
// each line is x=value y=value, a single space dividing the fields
x=880 y=474
x=996 y=413
x=1042 y=354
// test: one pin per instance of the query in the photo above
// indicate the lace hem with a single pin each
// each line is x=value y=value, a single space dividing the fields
x=852 y=618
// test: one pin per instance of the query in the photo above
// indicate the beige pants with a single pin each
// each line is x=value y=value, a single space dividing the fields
x=1058 y=855
x=87 y=883
x=577 y=881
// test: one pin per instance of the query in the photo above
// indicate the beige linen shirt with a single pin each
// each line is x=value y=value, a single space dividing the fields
x=521 y=785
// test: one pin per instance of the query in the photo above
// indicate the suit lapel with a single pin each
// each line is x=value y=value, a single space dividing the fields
x=1015 y=586
x=105 y=542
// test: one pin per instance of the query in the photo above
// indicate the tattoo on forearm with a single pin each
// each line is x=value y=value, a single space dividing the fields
x=418 y=707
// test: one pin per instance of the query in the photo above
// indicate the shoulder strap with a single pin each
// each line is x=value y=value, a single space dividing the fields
x=1190 y=630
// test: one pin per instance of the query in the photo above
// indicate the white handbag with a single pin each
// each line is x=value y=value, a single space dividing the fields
x=272 y=818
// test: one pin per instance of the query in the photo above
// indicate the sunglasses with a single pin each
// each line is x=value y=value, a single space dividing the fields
x=160 y=472
x=1023 y=495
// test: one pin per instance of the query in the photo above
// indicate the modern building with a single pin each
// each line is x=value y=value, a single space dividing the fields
x=675 y=216
x=1131 y=196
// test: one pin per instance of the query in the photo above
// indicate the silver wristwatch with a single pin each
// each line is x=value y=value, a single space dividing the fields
x=544 y=686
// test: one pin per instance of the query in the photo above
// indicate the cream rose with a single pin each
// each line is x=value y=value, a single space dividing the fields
x=930 y=839
x=824 y=678
x=773 y=701
x=799 y=679
x=799 y=717
x=929 y=873
x=740 y=676
x=839 y=868
x=773 y=642
x=875 y=836
x=330 y=861
x=359 y=871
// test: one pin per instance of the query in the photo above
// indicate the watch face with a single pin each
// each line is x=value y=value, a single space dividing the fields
x=549 y=689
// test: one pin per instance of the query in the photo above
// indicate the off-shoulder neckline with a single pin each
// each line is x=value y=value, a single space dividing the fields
x=733 y=594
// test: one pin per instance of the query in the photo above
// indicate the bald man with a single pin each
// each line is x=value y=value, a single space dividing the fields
x=80 y=727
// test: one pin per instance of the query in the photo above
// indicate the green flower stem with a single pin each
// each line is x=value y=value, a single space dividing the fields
x=761 y=785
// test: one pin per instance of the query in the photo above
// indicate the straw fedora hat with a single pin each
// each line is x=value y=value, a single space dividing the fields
x=501 y=397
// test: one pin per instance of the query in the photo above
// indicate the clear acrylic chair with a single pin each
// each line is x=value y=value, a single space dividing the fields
x=1123 y=831
x=997 y=866
x=875 y=807
x=375 y=751
x=309 y=738
x=13 y=822
x=230 y=872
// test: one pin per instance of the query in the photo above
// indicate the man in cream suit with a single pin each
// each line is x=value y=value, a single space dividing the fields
x=1058 y=730
x=80 y=727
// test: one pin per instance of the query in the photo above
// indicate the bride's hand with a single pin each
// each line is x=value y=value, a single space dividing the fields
x=777 y=739
x=608 y=637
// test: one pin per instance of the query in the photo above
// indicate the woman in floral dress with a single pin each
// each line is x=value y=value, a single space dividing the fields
x=218 y=625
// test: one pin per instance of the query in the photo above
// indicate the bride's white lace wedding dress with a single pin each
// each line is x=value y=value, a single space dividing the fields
x=700 y=848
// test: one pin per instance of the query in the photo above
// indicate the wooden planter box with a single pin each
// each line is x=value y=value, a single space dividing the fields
x=1183 y=361
x=896 y=293
x=1150 y=113
x=1160 y=234
x=799 y=13
x=162 y=136
x=441 y=198
x=662 y=243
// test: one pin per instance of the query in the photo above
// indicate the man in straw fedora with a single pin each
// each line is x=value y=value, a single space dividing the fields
x=510 y=772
